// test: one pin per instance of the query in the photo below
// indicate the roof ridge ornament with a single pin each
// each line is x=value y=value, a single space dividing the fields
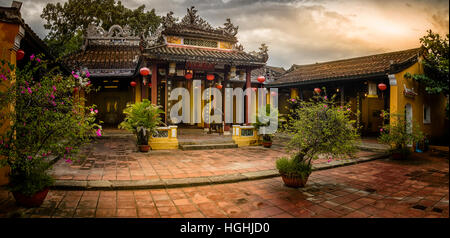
x=193 y=20
x=262 y=53
x=229 y=28
x=115 y=31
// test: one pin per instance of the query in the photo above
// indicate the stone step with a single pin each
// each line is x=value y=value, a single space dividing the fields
x=208 y=146
x=202 y=142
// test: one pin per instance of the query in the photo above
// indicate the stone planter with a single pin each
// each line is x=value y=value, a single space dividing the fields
x=35 y=200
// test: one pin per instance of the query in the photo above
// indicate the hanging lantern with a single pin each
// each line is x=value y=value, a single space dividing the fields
x=261 y=79
x=317 y=90
x=210 y=77
x=20 y=54
x=133 y=84
x=382 y=86
x=219 y=86
x=233 y=72
x=188 y=76
x=172 y=67
x=144 y=71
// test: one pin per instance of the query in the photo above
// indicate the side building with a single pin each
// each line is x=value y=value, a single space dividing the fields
x=371 y=84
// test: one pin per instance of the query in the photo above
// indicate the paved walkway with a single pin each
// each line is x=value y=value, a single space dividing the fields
x=381 y=188
x=116 y=159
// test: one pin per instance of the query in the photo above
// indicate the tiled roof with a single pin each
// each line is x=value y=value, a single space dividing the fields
x=270 y=72
x=177 y=53
x=350 y=68
x=199 y=33
x=117 y=60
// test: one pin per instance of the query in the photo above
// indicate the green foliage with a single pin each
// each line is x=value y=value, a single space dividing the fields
x=141 y=118
x=39 y=118
x=399 y=133
x=435 y=51
x=68 y=22
x=271 y=114
x=291 y=167
x=320 y=127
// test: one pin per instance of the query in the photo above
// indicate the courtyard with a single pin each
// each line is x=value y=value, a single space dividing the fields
x=381 y=187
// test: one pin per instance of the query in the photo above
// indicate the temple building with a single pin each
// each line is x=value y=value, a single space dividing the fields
x=175 y=55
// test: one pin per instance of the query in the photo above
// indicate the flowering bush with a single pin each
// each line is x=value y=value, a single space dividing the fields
x=39 y=118
x=400 y=133
x=318 y=127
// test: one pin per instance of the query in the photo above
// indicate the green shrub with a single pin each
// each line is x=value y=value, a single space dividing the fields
x=290 y=167
x=142 y=119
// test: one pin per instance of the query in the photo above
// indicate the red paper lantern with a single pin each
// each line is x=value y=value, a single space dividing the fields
x=261 y=79
x=219 y=86
x=210 y=77
x=188 y=76
x=144 y=71
x=317 y=90
x=133 y=84
x=20 y=54
x=382 y=86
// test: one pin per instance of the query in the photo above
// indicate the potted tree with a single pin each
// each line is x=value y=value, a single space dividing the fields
x=40 y=120
x=400 y=135
x=269 y=114
x=316 y=127
x=142 y=119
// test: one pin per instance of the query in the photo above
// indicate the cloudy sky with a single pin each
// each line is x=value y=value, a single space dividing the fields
x=303 y=32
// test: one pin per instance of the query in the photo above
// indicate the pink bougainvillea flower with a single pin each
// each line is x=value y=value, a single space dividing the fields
x=30 y=157
x=325 y=97
x=96 y=111
x=54 y=88
x=75 y=76
x=292 y=99
x=32 y=56
x=38 y=60
x=99 y=132
x=52 y=96
x=348 y=109
x=3 y=76
x=91 y=109
x=22 y=91
x=29 y=90
x=325 y=105
x=88 y=74
x=381 y=129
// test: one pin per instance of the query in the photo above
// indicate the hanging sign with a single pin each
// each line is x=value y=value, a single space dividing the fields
x=200 y=65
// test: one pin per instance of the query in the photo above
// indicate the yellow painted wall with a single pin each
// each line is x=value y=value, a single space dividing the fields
x=8 y=33
x=437 y=127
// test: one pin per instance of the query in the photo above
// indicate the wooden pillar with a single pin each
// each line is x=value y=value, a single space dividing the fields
x=154 y=84
x=342 y=96
x=226 y=126
x=248 y=84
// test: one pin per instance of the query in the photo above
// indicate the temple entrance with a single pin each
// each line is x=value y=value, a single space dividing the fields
x=110 y=102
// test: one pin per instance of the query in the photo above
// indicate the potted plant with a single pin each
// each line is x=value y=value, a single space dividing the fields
x=318 y=127
x=270 y=114
x=400 y=135
x=41 y=120
x=142 y=119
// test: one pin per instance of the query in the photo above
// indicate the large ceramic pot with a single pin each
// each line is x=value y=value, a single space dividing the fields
x=267 y=144
x=294 y=181
x=144 y=148
x=31 y=201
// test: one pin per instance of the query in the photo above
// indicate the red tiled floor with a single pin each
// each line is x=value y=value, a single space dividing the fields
x=339 y=192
